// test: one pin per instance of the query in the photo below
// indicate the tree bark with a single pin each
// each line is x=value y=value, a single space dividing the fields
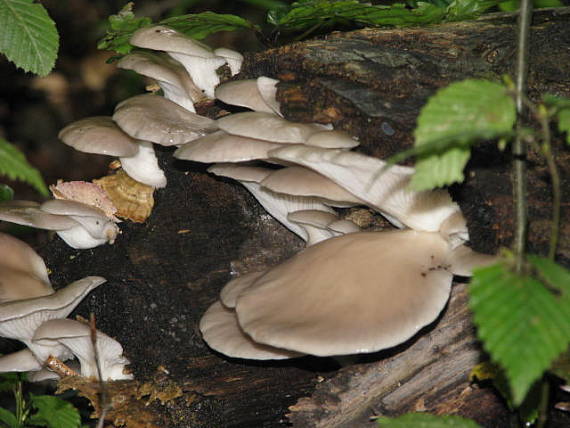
x=163 y=274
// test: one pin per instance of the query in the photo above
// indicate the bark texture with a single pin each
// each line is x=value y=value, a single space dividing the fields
x=163 y=274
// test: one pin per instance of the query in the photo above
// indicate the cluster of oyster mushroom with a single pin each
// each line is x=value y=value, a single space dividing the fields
x=349 y=291
x=33 y=313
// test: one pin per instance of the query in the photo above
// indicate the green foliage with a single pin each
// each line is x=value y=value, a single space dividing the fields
x=561 y=111
x=53 y=412
x=522 y=319
x=14 y=165
x=28 y=38
x=121 y=28
x=453 y=119
x=6 y=193
x=512 y=5
x=425 y=420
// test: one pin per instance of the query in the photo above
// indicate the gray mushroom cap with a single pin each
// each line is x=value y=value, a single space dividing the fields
x=315 y=223
x=162 y=38
x=18 y=255
x=100 y=135
x=357 y=293
x=28 y=213
x=18 y=285
x=20 y=319
x=20 y=361
x=247 y=93
x=161 y=121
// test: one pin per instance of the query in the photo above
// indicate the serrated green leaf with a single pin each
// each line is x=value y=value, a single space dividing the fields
x=8 y=418
x=28 y=38
x=452 y=119
x=120 y=29
x=14 y=165
x=440 y=170
x=523 y=323
x=425 y=420
x=6 y=193
x=201 y=25
x=53 y=412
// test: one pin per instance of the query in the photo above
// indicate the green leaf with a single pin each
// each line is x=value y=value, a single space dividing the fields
x=9 y=418
x=6 y=193
x=201 y=25
x=28 y=38
x=459 y=10
x=452 y=119
x=8 y=381
x=425 y=420
x=524 y=322
x=120 y=29
x=14 y=165
x=561 y=107
x=53 y=412
x=564 y=123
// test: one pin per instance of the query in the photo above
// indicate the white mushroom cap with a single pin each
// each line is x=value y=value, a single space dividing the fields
x=343 y=226
x=356 y=293
x=268 y=127
x=99 y=135
x=222 y=147
x=247 y=93
x=18 y=285
x=332 y=140
x=278 y=205
x=76 y=336
x=154 y=118
x=20 y=319
x=221 y=331
x=234 y=288
x=385 y=190
x=28 y=213
x=300 y=181
x=16 y=254
x=315 y=224
x=233 y=58
x=20 y=361
x=171 y=76
x=143 y=167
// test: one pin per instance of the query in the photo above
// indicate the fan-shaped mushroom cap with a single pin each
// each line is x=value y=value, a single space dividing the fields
x=76 y=336
x=332 y=140
x=300 y=181
x=28 y=213
x=16 y=254
x=100 y=135
x=233 y=58
x=20 y=319
x=18 y=285
x=222 y=147
x=267 y=88
x=343 y=226
x=221 y=331
x=268 y=127
x=154 y=118
x=278 y=205
x=356 y=293
x=161 y=38
x=384 y=189
x=315 y=224
x=171 y=76
x=247 y=93
x=233 y=289
x=20 y=361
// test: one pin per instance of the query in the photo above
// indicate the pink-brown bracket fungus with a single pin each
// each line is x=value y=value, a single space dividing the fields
x=171 y=76
x=76 y=337
x=357 y=293
x=19 y=319
x=100 y=135
x=81 y=226
x=198 y=59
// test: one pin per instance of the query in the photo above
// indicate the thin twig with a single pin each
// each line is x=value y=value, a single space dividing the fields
x=519 y=146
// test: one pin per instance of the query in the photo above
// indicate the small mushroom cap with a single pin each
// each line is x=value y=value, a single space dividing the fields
x=300 y=181
x=233 y=58
x=16 y=254
x=163 y=38
x=20 y=319
x=235 y=287
x=267 y=88
x=30 y=214
x=246 y=173
x=268 y=127
x=19 y=285
x=356 y=293
x=154 y=118
x=332 y=140
x=20 y=361
x=315 y=223
x=100 y=135
x=344 y=226
x=384 y=189
x=221 y=331
x=71 y=208
x=243 y=93
x=222 y=147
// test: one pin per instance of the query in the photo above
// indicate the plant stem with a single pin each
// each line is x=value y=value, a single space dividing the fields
x=519 y=146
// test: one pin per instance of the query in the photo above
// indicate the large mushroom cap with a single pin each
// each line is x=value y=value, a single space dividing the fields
x=16 y=254
x=100 y=135
x=18 y=285
x=28 y=213
x=357 y=293
x=247 y=93
x=20 y=319
x=154 y=118
x=163 y=38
